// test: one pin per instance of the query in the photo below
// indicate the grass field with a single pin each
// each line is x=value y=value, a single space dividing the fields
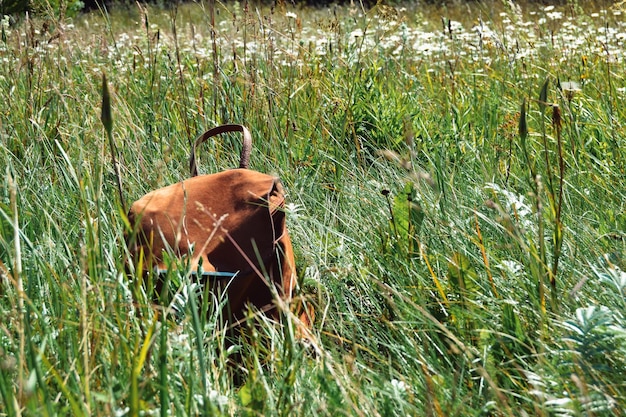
x=457 y=200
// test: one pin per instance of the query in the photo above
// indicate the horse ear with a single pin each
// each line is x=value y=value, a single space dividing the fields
x=246 y=147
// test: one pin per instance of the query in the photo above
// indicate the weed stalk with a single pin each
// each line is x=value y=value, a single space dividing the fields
x=17 y=278
x=535 y=184
x=558 y=224
x=107 y=121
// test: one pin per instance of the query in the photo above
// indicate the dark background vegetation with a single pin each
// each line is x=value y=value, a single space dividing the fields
x=71 y=7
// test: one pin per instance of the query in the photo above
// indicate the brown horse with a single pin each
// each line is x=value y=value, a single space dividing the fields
x=228 y=228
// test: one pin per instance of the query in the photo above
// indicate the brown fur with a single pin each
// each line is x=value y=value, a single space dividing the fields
x=232 y=221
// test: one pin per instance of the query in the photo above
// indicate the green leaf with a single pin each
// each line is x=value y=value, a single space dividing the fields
x=245 y=396
x=543 y=95
x=514 y=337
x=511 y=324
x=408 y=213
x=461 y=273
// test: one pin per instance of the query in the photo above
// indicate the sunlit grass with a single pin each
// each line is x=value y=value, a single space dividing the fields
x=456 y=202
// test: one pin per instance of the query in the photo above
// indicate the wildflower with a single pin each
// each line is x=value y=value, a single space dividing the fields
x=515 y=206
x=294 y=210
x=357 y=33
x=569 y=89
x=217 y=398
x=291 y=15
x=399 y=387
x=121 y=412
x=555 y=15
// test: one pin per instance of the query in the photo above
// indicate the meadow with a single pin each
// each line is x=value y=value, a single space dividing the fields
x=457 y=202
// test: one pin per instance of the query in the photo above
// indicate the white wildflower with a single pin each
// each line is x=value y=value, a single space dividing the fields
x=357 y=33
x=217 y=398
x=515 y=205
x=555 y=15
x=121 y=412
x=399 y=387
x=570 y=88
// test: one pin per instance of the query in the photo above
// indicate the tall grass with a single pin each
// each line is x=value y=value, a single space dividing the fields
x=456 y=189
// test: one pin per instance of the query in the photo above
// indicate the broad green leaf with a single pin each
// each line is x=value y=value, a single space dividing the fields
x=511 y=324
x=461 y=273
x=245 y=396
x=408 y=213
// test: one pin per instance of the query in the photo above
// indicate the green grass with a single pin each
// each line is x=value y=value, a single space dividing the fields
x=458 y=214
